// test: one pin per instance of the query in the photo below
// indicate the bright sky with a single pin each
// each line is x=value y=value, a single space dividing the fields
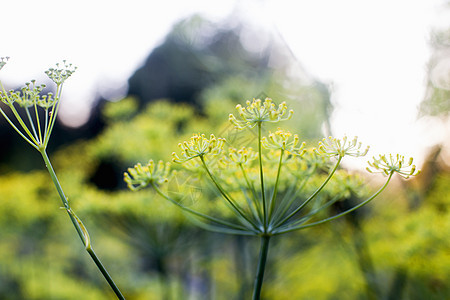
x=373 y=52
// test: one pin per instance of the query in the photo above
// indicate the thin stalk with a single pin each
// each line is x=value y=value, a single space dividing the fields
x=234 y=205
x=261 y=176
x=343 y=213
x=310 y=197
x=241 y=229
x=24 y=127
x=308 y=216
x=264 y=250
x=46 y=122
x=53 y=113
x=275 y=191
x=18 y=131
x=10 y=104
x=285 y=204
x=32 y=124
x=38 y=122
x=251 y=187
x=81 y=230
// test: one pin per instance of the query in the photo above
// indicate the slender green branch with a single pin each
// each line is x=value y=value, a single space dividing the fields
x=234 y=205
x=343 y=213
x=199 y=214
x=261 y=176
x=32 y=124
x=81 y=230
x=312 y=196
x=308 y=216
x=263 y=252
x=251 y=187
x=275 y=190
x=18 y=131
x=286 y=204
x=24 y=126
x=53 y=113
x=38 y=122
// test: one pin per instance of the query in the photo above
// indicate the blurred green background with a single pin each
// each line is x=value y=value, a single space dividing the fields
x=396 y=248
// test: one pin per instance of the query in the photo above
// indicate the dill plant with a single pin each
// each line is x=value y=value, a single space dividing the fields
x=36 y=128
x=270 y=189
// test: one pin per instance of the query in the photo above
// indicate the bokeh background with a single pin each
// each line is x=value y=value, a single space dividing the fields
x=152 y=73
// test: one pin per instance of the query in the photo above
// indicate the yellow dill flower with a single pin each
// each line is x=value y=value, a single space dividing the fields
x=140 y=176
x=280 y=140
x=198 y=146
x=341 y=147
x=257 y=112
x=396 y=164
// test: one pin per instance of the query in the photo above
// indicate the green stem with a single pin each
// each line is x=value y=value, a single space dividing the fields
x=275 y=191
x=341 y=214
x=236 y=208
x=18 y=131
x=264 y=250
x=32 y=124
x=261 y=176
x=255 y=208
x=312 y=196
x=81 y=230
x=53 y=113
x=238 y=228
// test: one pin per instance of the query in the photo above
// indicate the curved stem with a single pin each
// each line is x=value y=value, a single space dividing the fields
x=290 y=197
x=264 y=250
x=238 y=228
x=343 y=213
x=312 y=196
x=233 y=204
x=18 y=131
x=81 y=230
x=256 y=208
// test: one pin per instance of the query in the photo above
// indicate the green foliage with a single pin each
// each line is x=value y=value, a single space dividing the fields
x=155 y=252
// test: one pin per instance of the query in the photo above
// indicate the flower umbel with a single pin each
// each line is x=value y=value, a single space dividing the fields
x=257 y=112
x=59 y=74
x=198 y=146
x=242 y=156
x=280 y=140
x=41 y=110
x=341 y=147
x=393 y=164
x=140 y=176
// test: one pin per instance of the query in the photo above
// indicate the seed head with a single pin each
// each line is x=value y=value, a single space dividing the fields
x=59 y=74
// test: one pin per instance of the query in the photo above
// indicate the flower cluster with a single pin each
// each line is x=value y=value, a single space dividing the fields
x=198 y=146
x=140 y=176
x=341 y=147
x=29 y=96
x=393 y=164
x=280 y=140
x=59 y=74
x=257 y=112
x=242 y=156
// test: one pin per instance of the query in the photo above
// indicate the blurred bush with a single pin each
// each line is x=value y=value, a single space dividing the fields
x=153 y=252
